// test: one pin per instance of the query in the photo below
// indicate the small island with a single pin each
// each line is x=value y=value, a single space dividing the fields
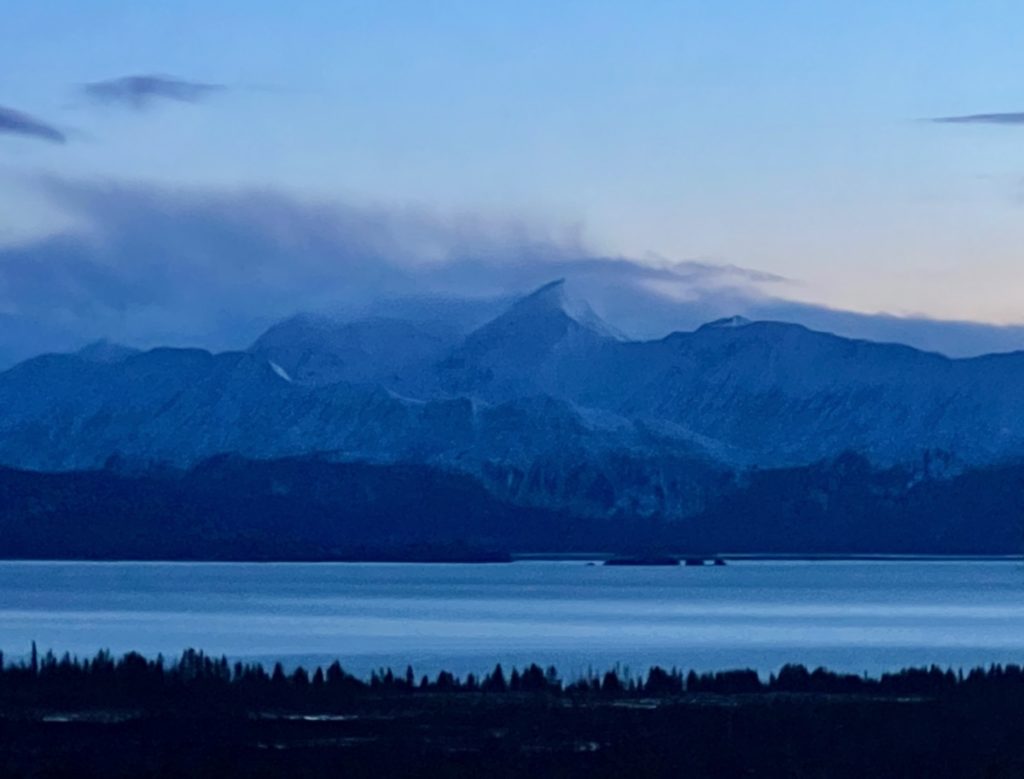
x=657 y=560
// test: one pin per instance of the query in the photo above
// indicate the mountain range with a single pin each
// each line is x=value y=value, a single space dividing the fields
x=543 y=406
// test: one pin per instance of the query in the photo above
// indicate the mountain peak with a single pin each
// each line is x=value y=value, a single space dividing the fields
x=538 y=317
x=550 y=295
x=727 y=322
x=514 y=353
x=551 y=301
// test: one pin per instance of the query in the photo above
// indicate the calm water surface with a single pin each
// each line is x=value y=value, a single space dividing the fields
x=857 y=616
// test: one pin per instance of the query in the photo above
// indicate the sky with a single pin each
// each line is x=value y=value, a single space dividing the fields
x=191 y=167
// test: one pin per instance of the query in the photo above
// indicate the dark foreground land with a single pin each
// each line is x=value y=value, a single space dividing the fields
x=201 y=717
x=309 y=509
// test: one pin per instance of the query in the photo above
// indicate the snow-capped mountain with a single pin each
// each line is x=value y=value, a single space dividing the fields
x=544 y=404
x=529 y=349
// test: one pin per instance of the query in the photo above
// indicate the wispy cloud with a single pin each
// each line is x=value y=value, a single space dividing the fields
x=1010 y=117
x=140 y=92
x=17 y=123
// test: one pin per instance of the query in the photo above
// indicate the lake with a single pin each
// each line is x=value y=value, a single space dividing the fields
x=854 y=616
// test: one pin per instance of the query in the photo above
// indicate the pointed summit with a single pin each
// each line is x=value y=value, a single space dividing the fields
x=536 y=322
x=551 y=300
x=512 y=353
x=550 y=295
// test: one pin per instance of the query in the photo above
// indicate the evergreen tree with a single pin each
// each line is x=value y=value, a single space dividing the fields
x=610 y=683
x=495 y=681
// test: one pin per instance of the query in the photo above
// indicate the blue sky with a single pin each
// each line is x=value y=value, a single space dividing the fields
x=784 y=137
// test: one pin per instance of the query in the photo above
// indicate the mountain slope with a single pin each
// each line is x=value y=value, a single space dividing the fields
x=785 y=394
x=181 y=406
x=318 y=351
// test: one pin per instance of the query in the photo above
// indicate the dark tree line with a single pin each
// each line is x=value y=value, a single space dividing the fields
x=105 y=680
x=197 y=715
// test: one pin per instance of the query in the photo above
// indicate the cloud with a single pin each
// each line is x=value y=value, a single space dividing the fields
x=139 y=92
x=17 y=123
x=150 y=266
x=1009 y=118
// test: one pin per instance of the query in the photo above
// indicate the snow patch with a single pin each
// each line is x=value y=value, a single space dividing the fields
x=279 y=371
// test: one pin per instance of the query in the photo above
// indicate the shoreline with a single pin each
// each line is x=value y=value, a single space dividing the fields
x=527 y=557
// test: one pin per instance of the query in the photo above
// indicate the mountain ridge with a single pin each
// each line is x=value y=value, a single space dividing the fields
x=543 y=403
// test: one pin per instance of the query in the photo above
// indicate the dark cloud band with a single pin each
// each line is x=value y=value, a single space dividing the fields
x=1016 y=117
x=16 y=123
x=141 y=91
x=154 y=266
